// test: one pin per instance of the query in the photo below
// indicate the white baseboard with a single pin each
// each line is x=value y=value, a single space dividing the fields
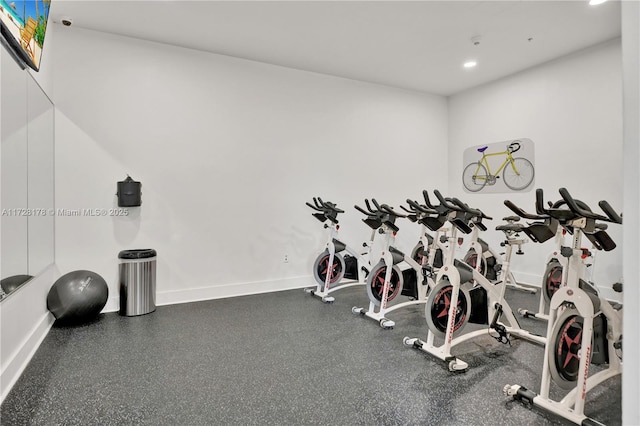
x=231 y=290
x=189 y=295
x=113 y=305
x=18 y=361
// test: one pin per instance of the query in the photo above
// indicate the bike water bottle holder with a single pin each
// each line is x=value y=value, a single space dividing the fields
x=438 y=262
x=409 y=283
x=350 y=267
x=599 y=350
x=479 y=309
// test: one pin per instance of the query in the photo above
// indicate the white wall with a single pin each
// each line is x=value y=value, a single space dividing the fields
x=572 y=110
x=631 y=72
x=228 y=151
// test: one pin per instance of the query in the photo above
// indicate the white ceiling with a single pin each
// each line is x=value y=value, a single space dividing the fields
x=416 y=45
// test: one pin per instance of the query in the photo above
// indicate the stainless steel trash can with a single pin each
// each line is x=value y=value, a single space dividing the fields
x=137 y=282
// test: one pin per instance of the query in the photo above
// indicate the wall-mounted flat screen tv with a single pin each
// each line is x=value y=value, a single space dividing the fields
x=23 y=24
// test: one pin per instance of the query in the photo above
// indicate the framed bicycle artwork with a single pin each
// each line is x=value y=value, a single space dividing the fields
x=506 y=166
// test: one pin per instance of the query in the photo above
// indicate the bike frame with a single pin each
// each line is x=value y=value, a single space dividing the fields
x=485 y=162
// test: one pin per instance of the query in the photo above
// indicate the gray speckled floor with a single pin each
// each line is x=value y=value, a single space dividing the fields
x=276 y=359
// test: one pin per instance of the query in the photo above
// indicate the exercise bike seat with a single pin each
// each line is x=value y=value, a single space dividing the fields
x=483 y=149
x=511 y=219
x=510 y=227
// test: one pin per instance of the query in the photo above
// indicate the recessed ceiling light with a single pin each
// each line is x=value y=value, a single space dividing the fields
x=596 y=2
x=470 y=64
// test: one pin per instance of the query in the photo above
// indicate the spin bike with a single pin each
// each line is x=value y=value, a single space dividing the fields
x=331 y=267
x=583 y=327
x=491 y=263
x=419 y=213
x=544 y=228
x=463 y=295
x=386 y=280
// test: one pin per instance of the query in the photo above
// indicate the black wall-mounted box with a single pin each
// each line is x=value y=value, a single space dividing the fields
x=129 y=193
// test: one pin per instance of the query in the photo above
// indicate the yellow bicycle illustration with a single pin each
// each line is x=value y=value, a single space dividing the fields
x=517 y=173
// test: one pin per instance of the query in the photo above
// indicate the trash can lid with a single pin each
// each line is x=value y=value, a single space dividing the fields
x=136 y=254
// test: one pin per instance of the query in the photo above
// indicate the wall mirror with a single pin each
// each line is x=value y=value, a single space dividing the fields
x=27 y=177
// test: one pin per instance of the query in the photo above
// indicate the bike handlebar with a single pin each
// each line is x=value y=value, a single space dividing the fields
x=378 y=215
x=606 y=207
x=575 y=207
x=330 y=206
x=474 y=212
x=361 y=210
x=389 y=210
x=417 y=208
x=326 y=210
x=427 y=202
x=446 y=203
x=312 y=206
x=369 y=210
x=454 y=204
x=517 y=210
x=513 y=146
x=366 y=202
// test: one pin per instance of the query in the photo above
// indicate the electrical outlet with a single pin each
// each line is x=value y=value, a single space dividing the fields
x=286 y=258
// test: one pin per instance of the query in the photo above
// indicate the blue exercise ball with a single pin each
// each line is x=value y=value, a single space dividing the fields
x=77 y=296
